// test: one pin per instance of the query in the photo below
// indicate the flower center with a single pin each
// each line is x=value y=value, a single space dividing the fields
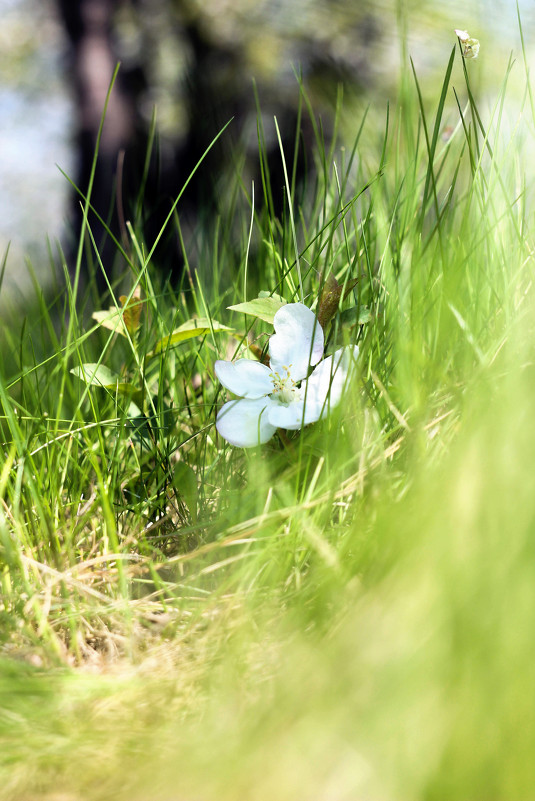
x=285 y=389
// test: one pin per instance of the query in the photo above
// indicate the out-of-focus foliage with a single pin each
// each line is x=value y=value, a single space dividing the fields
x=25 y=25
x=329 y=43
x=265 y=42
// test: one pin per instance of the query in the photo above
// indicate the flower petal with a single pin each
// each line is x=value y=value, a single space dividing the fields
x=291 y=417
x=245 y=377
x=325 y=387
x=297 y=342
x=245 y=423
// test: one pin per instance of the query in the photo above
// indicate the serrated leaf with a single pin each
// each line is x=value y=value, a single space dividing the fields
x=188 y=330
x=185 y=482
x=263 y=308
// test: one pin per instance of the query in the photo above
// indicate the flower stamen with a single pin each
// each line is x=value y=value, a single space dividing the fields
x=285 y=389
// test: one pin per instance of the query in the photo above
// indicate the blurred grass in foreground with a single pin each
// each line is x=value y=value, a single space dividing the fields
x=416 y=683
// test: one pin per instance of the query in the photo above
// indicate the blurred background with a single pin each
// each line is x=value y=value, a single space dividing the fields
x=194 y=64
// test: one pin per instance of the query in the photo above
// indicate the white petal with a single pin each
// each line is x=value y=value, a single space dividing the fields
x=297 y=342
x=291 y=417
x=245 y=377
x=245 y=423
x=326 y=385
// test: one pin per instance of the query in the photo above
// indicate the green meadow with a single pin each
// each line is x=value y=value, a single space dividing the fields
x=346 y=611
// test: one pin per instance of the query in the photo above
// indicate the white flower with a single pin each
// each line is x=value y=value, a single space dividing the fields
x=462 y=35
x=470 y=45
x=281 y=396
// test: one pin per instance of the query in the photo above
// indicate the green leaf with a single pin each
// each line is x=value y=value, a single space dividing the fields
x=265 y=308
x=266 y=294
x=99 y=375
x=185 y=482
x=356 y=315
x=191 y=328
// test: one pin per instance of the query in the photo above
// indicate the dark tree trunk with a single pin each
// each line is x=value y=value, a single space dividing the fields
x=89 y=24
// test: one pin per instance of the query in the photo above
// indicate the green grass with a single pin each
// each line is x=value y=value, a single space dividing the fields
x=346 y=612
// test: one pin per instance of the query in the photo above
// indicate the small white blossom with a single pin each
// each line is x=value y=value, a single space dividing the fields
x=281 y=396
x=470 y=45
x=462 y=35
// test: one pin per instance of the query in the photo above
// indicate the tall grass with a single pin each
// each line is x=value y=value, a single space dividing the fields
x=345 y=612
